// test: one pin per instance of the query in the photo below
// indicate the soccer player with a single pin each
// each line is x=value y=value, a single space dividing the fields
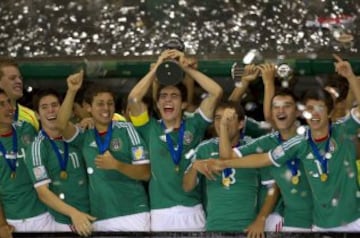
x=168 y=140
x=11 y=82
x=58 y=171
x=22 y=208
x=115 y=157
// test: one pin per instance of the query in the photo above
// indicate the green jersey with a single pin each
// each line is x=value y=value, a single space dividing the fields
x=44 y=167
x=231 y=206
x=18 y=196
x=113 y=194
x=336 y=199
x=296 y=198
x=254 y=128
x=165 y=185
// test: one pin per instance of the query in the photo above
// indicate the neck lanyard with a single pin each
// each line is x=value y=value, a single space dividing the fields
x=16 y=113
x=175 y=152
x=103 y=145
x=62 y=161
x=322 y=159
x=11 y=158
x=293 y=165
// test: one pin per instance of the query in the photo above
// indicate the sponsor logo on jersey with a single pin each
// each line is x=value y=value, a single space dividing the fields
x=214 y=154
x=138 y=153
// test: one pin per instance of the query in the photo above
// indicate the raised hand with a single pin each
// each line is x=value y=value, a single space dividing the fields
x=268 y=72
x=251 y=72
x=229 y=116
x=74 y=81
x=343 y=67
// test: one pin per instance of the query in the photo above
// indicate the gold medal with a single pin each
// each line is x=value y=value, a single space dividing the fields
x=226 y=182
x=13 y=175
x=63 y=175
x=323 y=177
x=295 y=179
x=177 y=168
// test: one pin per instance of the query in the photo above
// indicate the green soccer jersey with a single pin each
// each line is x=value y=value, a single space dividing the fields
x=231 y=207
x=254 y=128
x=165 y=185
x=18 y=196
x=113 y=194
x=296 y=198
x=45 y=167
x=336 y=200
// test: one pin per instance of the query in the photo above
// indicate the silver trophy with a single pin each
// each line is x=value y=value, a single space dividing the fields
x=284 y=72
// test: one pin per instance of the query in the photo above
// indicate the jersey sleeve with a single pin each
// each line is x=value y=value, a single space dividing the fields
x=36 y=163
x=286 y=151
x=139 y=152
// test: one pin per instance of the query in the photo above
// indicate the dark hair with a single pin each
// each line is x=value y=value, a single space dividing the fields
x=7 y=62
x=80 y=94
x=320 y=95
x=95 y=89
x=43 y=93
x=285 y=92
x=180 y=86
x=236 y=106
x=340 y=84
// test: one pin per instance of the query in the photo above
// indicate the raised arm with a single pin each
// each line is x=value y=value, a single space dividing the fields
x=268 y=77
x=214 y=90
x=137 y=94
x=67 y=129
x=344 y=69
x=225 y=143
x=251 y=72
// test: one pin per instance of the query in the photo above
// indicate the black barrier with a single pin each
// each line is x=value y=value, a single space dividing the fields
x=187 y=234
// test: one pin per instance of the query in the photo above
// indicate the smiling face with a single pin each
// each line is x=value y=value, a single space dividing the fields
x=48 y=108
x=284 y=112
x=6 y=112
x=11 y=82
x=170 y=104
x=102 y=109
x=319 y=119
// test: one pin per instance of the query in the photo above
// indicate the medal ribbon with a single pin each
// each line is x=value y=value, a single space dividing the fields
x=16 y=113
x=11 y=161
x=103 y=146
x=62 y=161
x=175 y=154
x=293 y=165
x=323 y=161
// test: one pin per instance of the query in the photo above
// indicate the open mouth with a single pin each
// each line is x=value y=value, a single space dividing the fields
x=281 y=117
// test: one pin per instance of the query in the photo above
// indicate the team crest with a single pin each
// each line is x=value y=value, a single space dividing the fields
x=332 y=146
x=138 y=153
x=188 y=137
x=26 y=139
x=115 y=144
